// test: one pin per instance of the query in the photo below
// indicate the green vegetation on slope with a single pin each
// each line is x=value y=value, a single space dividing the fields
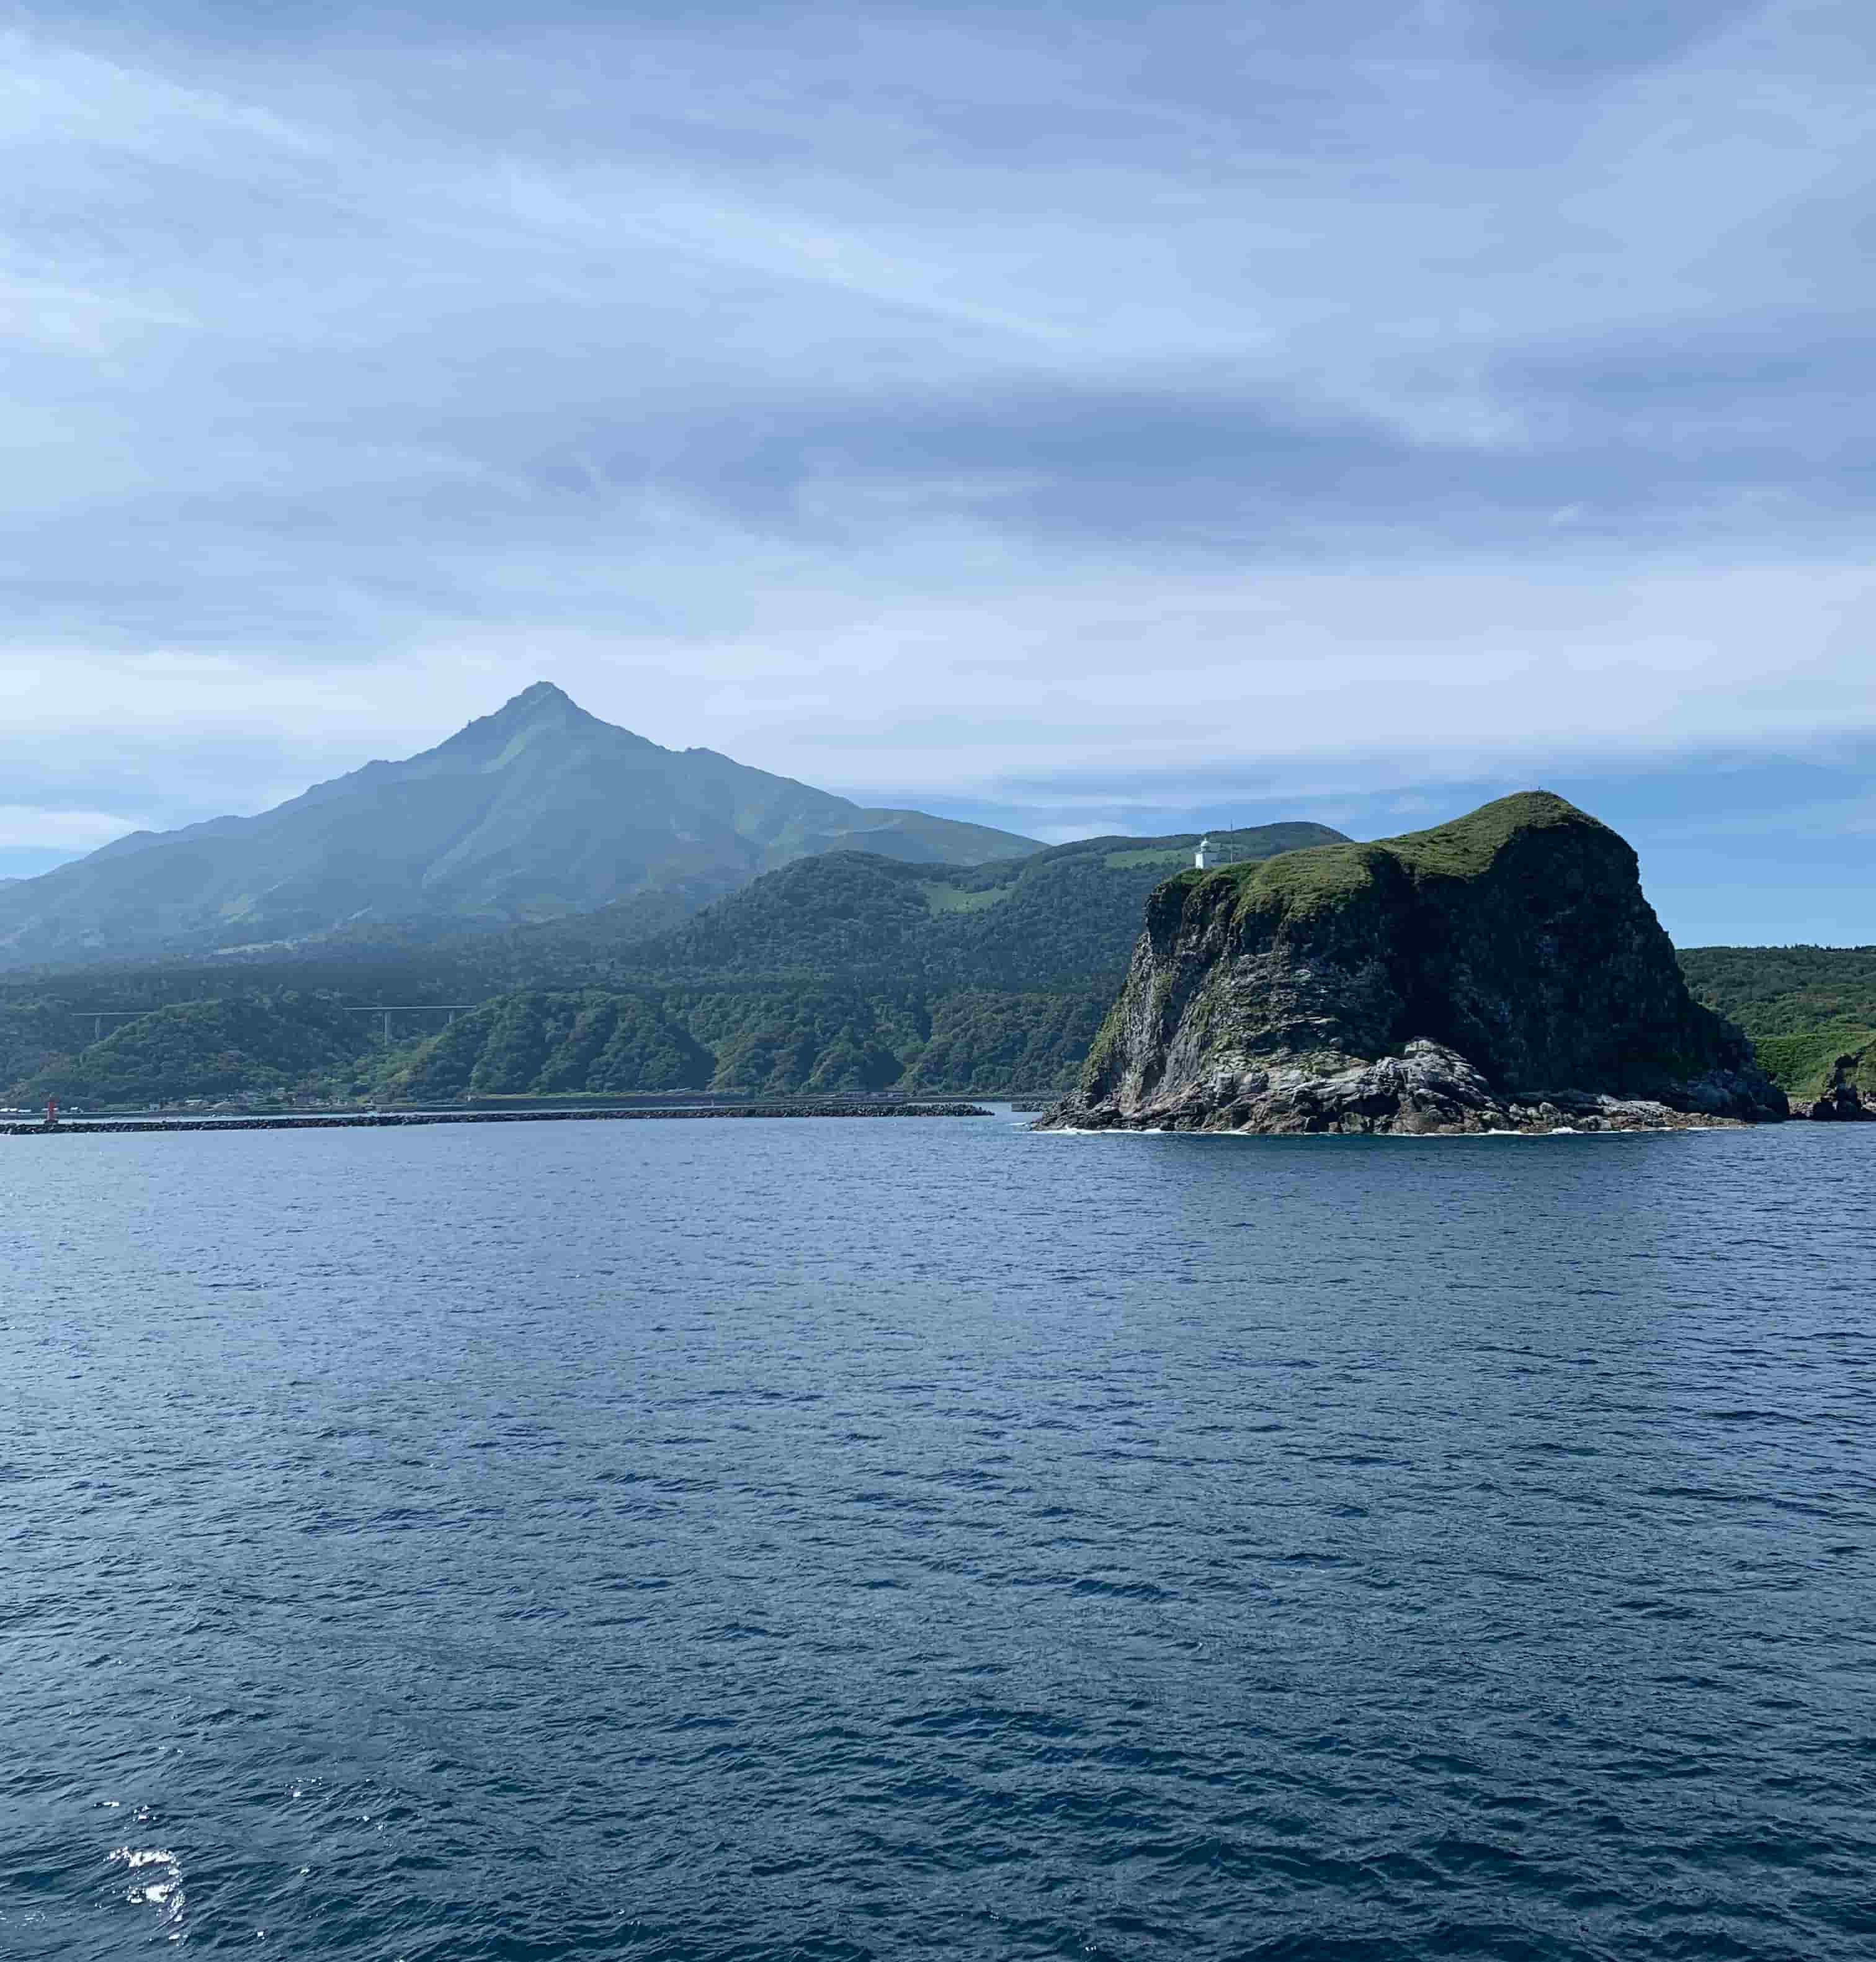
x=1783 y=990
x=849 y=971
x=537 y=1043
x=983 y=1040
x=33 y=1031
x=767 y=1040
x=1066 y=917
x=1804 y=1007
x=290 y=1043
x=1804 y=1066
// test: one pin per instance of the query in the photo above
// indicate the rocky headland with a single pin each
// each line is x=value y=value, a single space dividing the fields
x=1502 y=973
x=1841 y=1102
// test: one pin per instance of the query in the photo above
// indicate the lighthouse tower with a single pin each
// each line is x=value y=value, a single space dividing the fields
x=1201 y=858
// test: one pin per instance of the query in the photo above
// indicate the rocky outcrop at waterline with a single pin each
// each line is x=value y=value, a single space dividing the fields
x=1501 y=973
x=1840 y=1101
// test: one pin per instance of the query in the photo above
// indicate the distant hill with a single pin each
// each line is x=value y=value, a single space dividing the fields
x=537 y=811
x=1059 y=918
x=766 y=1039
x=848 y=970
x=534 y=1042
x=211 y=1049
x=845 y=971
x=1065 y=913
x=1804 y=1007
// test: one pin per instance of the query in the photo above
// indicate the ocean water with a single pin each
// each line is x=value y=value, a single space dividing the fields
x=925 y=1539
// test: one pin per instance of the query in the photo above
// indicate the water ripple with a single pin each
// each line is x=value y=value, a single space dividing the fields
x=779 y=1543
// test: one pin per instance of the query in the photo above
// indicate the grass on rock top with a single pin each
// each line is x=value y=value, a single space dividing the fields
x=1320 y=877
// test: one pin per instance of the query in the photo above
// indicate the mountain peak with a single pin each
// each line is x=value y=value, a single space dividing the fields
x=538 y=697
x=541 y=706
x=538 y=810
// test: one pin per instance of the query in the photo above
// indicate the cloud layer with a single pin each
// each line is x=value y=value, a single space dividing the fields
x=1052 y=413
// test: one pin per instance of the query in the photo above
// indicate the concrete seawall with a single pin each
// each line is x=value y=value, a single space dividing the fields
x=70 y=1127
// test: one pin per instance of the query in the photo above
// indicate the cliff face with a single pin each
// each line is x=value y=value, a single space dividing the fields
x=1501 y=972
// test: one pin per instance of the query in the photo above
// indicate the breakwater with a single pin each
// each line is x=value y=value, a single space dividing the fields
x=68 y=1127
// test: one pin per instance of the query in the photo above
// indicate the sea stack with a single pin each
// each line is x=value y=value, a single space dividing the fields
x=1501 y=973
x=1842 y=1102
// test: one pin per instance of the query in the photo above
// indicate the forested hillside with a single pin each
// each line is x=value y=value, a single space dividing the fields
x=1057 y=918
x=765 y=1041
x=848 y=971
x=1804 y=1007
x=285 y=1043
x=532 y=1042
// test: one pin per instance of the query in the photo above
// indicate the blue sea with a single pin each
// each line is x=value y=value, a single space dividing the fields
x=901 y=1539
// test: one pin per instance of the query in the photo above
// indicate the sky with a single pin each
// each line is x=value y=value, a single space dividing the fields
x=1077 y=417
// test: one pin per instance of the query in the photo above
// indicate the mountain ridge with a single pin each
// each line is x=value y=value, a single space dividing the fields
x=539 y=810
x=803 y=992
x=843 y=971
x=1064 y=915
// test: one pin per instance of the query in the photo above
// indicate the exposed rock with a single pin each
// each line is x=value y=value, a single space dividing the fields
x=1502 y=973
x=1842 y=1101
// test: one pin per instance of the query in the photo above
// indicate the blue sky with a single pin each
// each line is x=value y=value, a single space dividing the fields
x=1083 y=417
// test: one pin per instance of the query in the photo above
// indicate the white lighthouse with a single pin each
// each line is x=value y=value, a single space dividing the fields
x=1201 y=858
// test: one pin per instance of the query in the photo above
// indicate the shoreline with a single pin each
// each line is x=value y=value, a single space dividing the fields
x=68 y=1127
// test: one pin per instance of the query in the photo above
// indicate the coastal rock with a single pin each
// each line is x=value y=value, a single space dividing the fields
x=1501 y=972
x=1842 y=1101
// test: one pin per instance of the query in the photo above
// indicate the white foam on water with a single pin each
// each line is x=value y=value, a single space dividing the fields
x=162 y=1891
x=1084 y=1131
x=134 y=1857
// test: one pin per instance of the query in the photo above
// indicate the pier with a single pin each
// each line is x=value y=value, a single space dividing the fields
x=71 y=1127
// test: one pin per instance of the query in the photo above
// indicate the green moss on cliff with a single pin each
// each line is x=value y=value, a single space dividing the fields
x=1104 y=1052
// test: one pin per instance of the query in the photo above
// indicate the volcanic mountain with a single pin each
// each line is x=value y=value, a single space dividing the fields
x=536 y=812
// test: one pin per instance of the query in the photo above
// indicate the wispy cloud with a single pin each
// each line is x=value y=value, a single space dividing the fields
x=938 y=404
